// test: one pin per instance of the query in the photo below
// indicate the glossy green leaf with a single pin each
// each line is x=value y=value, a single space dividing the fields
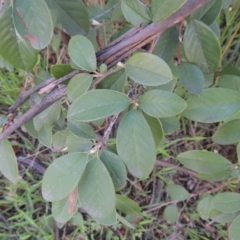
x=8 y=161
x=45 y=135
x=60 y=70
x=33 y=22
x=213 y=105
x=209 y=12
x=13 y=48
x=72 y=16
x=165 y=8
x=48 y=116
x=166 y=46
x=135 y=12
x=234 y=230
x=161 y=104
x=59 y=140
x=82 y=53
x=78 y=85
x=228 y=133
x=81 y=129
x=230 y=82
x=191 y=77
x=115 y=167
x=156 y=129
x=177 y=192
x=126 y=205
x=96 y=191
x=60 y=210
x=204 y=207
x=227 y=202
x=132 y=136
x=77 y=144
x=170 y=124
x=107 y=220
x=171 y=213
x=202 y=47
x=115 y=81
x=97 y=104
x=148 y=69
x=204 y=161
x=63 y=175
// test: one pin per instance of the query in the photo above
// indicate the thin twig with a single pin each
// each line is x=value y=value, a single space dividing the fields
x=106 y=12
x=180 y=169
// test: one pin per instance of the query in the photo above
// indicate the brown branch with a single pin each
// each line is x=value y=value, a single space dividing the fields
x=115 y=52
x=35 y=110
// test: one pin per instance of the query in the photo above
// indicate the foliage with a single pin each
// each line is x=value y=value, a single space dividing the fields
x=146 y=96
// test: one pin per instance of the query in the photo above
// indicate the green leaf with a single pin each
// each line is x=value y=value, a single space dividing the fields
x=126 y=205
x=166 y=46
x=63 y=175
x=209 y=12
x=77 y=144
x=234 y=230
x=148 y=69
x=8 y=161
x=191 y=77
x=216 y=177
x=135 y=12
x=170 y=124
x=228 y=133
x=60 y=70
x=97 y=104
x=82 y=53
x=115 y=81
x=220 y=217
x=48 y=116
x=204 y=207
x=33 y=22
x=31 y=129
x=132 y=136
x=230 y=82
x=202 y=47
x=161 y=104
x=60 y=210
x=5 y=64
x=78 y=85
x=107 y=220
x=125 y=222
x=213 y=105
x=59 y=140
x=96 y=191
x=227 y=202
x=171 y=213
x=72 y=16
x=116 y=168
x=156 y=129
x=177 y=192
x=165 y=8
x=13 y=48
x=45 y=135
x=216 y=29
x=82 y=130
x=238 y=152
x=204 y=161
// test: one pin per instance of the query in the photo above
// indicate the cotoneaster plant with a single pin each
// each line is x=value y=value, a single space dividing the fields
x=110 y=119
